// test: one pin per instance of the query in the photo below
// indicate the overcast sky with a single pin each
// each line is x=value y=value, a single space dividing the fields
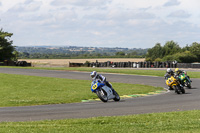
x=101 y=23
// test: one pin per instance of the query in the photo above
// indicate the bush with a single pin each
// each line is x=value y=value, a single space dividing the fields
x=185 y=57
x=158 y=60
x=148 y=59
x=86 y=64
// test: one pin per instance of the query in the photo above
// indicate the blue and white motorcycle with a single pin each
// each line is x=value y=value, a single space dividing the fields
x=104 y=92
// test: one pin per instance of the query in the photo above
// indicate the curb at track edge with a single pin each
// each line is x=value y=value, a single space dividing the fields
x=134 y=95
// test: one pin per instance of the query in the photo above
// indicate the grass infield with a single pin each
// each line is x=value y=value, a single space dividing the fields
x=22 y=90
x=18 y=90
x=173 y=122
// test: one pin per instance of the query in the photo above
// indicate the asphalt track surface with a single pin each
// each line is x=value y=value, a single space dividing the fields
x=165 y=102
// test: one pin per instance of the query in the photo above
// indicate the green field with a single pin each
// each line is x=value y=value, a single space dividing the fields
x=174 y=122
x=22 y=90
x=132 y=71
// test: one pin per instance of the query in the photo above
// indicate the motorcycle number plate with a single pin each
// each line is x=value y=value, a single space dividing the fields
x=94 y=86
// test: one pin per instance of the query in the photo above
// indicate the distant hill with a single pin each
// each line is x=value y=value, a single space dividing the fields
x=77 y=52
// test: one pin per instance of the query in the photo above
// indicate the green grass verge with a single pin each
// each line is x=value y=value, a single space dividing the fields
x=174 y=122
x=22 y=90
x=159 y=73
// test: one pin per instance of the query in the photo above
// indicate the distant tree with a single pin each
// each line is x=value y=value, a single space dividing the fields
x=155 y=52
x=171 y=51
x=148 y=59
x=120 y=53
x=6 y=48
x=158 y=60
x=26 y=55
x=16 y=55
x=195 y=49
x=133 y=53
x=171 y=48
x=186 y=48
x=184 y=57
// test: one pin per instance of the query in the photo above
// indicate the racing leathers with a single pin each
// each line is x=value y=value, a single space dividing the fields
x=168 y=75
x=102 y=79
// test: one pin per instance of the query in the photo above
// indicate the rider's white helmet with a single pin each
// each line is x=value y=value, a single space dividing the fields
x=169 y=70
x=93 y=74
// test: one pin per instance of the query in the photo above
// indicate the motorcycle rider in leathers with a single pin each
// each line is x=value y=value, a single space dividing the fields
x=178 y=72
x=101 y=79
x=168 y=74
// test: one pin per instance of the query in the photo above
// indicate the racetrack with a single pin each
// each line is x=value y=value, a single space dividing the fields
x=159 y=103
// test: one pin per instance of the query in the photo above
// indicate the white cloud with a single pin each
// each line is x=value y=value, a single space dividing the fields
x=30 y=6
x=28 y=1
x=179 y=14
x=129 y=23
x=79 y=2
x=172 y=3
x=7 y=4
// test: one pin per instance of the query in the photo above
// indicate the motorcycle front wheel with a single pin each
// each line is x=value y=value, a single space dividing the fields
x=102 y=95
x=189 y=85
x=177 y=89
x=182 y=90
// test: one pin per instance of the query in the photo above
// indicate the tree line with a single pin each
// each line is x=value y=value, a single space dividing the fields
x=79 y=55
x=171 y=51
x=78 y=52
x=7 y=51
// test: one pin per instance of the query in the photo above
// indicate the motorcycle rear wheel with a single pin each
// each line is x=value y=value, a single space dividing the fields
x=102 y=95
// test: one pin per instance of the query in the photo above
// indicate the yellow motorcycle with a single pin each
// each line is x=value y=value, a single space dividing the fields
x=174 y=83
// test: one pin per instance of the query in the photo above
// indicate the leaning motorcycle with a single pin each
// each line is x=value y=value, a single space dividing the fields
x=174 y=83
x=185 y=81
x=104 y=92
